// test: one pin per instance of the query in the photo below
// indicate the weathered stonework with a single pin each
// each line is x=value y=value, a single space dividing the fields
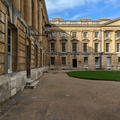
x=101 y=26
x=10 y=84
x=23 y=54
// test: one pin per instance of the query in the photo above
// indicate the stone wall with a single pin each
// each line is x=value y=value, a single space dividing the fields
x=10 y=84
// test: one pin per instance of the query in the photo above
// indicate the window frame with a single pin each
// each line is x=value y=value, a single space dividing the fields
x=63 y=48
x=97 y=35
x=74 y=34
x=52 y=50
x=96 y=49
x=63 y=34
x=63 y=61
x=52 y=63
x=86 y=63
x=85 y=34
x=107 y=47
x=118 y=48
x=74 y=49
x=85 y=48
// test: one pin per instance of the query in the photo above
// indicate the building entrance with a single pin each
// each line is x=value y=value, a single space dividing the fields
x=75 y=63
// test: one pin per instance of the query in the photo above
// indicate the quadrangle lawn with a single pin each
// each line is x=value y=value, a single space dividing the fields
x=96 y=75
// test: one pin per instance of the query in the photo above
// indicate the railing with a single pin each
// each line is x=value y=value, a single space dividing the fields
x=76 y=23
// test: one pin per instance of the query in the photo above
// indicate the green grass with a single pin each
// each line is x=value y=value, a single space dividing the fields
x=96 y=75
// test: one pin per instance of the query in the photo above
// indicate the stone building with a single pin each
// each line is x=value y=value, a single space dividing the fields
x=23 y=44
x=85 y=44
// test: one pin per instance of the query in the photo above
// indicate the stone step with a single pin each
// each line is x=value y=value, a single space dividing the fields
x=32 y=85
x=29 y=82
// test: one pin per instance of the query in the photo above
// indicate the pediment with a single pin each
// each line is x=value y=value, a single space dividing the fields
x=113 y=22
x=118 y=39
x=74 y=40
x=63 y=40
x=108 y=40
x=96 y=40
x=54 y=40
x=85 y=40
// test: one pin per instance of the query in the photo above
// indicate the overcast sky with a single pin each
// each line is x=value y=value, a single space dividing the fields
x=76 y=9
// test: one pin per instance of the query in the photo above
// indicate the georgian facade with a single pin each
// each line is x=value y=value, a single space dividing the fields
x=85 y=44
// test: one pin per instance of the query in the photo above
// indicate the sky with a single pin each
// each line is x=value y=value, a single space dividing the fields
x=76 y=9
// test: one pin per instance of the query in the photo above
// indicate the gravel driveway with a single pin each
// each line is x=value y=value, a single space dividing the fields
x=59 y=97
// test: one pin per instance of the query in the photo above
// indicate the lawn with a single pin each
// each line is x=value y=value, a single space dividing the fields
x=96 y=75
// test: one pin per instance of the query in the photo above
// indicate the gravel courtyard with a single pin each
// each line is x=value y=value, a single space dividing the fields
x=60 y=97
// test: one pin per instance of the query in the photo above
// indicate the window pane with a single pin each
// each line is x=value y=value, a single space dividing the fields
x=97 y=61
x=74 y=34
x=85 y=45
x=52 y=47
x=107 y=34
x=109 y=61
x=85 y=34
x=96 y=34
x=63 y=34
x=63 y=47
x=52 y=60
x=107 y=47
x=96 y=47
x=118 y=47
x=118 y=34
x=52 y=34
x=63 y=60
x=86 y=61
x=74 y=47
x=118 y=60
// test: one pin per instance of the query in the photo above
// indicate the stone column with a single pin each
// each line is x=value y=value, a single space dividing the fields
x=28 y=12
x=17 y=4
x=114 y=43
x=22 y=7
x=35 y=15
x=103 y=43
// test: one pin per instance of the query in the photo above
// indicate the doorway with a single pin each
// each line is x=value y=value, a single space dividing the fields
x=75 y=63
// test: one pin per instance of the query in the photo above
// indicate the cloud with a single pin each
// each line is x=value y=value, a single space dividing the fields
x=61 y=5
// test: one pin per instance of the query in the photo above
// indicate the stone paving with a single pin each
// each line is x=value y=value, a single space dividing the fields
x=59 y=97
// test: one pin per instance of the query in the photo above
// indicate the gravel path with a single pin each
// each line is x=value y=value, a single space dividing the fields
x=59 y=97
